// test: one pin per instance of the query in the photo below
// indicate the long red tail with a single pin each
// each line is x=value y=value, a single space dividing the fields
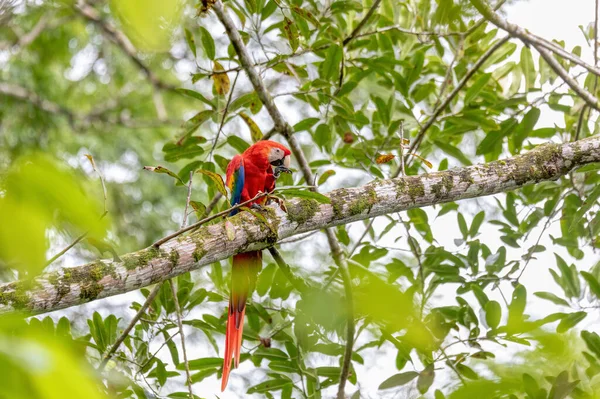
x=243 y=279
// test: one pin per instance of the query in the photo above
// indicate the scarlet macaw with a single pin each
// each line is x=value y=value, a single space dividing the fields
x=248 y=174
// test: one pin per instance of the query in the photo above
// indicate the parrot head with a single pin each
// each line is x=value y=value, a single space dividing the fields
x=272 y=154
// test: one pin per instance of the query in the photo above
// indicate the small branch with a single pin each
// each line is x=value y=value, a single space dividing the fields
x=529 y=38
x=22 y=93
x=224 y=115
x=588 y=97
x=211 y=205
x=206 y=220
x=82 y=236
x=361 y=25
x=95 y=169
x=187 y=201
x=30 y=36
x=452 y=95
x=350 y=326
x=182 y=335
x=122 y=41
x=65 y=250
x=129 y=327
x=74 y=118
x=585 y=108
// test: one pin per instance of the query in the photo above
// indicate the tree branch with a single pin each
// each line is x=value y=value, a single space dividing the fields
x=529 y=38
x=123 y=42
x=103 y=278
x=545 y=48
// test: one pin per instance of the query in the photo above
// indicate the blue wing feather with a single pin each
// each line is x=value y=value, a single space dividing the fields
x=237 y=186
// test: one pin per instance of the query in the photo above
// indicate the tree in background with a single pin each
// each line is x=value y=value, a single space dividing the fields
x=393 y=112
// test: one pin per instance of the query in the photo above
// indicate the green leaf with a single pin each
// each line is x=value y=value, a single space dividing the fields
x=528 y=67
x=216 y=178
x=552 y=298
x=477 y=220
x=493 y=313
x=398 y=380
x=453 y=151
x=255 y=132
x=291 y=33
x=425 y=380
x=201 y=364
x=208 y=44
x=570 y=321
x=237 y=143
x=474 y=90
x=590 y=200
x=305 y=124
x=467 y=371
x=189 y=38
x=592 y=340
x=570 y=278
x=194 y=94
x=592 y=283
x=330 y=67
x=268 y=386
x=299 y=193
x=462 y=225
x=326 y=175
x=161 y=169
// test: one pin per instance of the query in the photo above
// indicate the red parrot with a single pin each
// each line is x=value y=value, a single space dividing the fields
x=248 y=174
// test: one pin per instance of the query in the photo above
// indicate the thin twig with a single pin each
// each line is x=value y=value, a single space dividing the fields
x=402 y=167
x=224 y=115
x=129 y=327
x=66 y=249
x=76 y=119
x=122 y=41
x=528 y=37
x=82 y=236
x=182 y=335
x=206 y=220
x=588 y=97
x=187 y=201
x=585 y=108
x=452 y=95
x=95 y=169
x=361 y=24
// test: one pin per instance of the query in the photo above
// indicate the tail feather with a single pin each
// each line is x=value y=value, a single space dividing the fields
x=245 y=269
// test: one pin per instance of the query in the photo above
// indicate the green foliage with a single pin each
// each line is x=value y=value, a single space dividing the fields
x=436 y=293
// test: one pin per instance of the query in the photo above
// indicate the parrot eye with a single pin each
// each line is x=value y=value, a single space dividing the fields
x=277 y=162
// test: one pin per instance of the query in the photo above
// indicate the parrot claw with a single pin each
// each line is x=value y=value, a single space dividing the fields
x=258 y=207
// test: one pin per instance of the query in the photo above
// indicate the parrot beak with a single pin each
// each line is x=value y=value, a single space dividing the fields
x=284 y=168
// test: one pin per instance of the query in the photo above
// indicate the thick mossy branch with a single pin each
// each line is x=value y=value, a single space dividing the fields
x=103 y=278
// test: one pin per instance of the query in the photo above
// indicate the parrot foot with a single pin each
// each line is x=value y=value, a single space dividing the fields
x=257 y=207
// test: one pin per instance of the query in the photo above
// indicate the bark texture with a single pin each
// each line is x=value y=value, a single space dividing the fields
x=208 y=244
